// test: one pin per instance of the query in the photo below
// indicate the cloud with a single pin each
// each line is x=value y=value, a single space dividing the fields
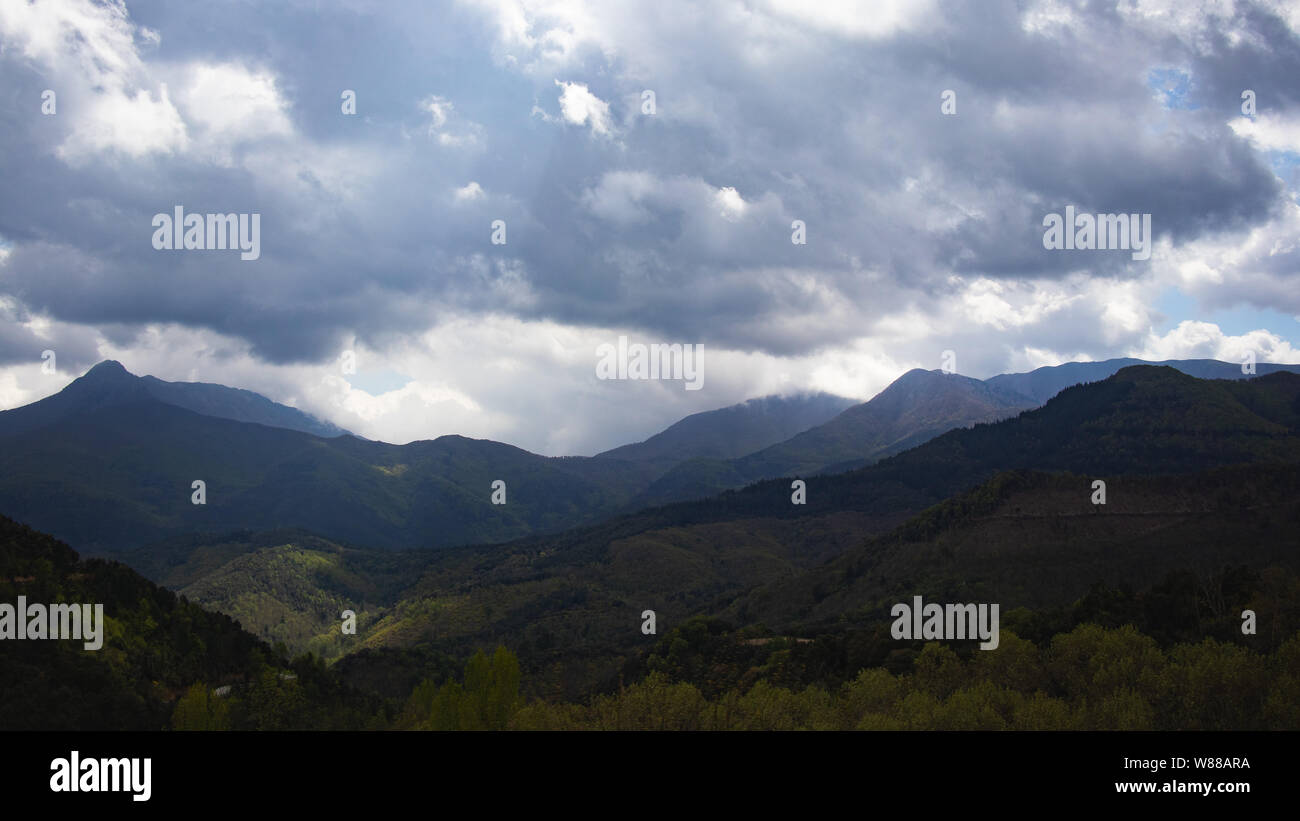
x=924 y=230
x=579 y=106
x=1204 y=340
x=469 y=191
x=730 y=203
x=228 y=105
x=88 y=54
x=1271 y=131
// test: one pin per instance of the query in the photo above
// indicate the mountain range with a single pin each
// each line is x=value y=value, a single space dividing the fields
x=997 y=512
x=110 y=462
x=1202 y=479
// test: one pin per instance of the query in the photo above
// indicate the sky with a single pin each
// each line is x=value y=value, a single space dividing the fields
x=919 y=145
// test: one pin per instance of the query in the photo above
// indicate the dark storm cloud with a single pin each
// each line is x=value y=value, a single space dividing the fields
x=362 y=232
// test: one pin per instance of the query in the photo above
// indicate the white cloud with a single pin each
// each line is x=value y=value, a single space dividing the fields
x=730 y=202
x=1271 y=131
x=894 y=202
x=1198 y=23
x=580 y=107
x=448 y=128
x=439 y=110
x=1011 y=304
x=135 y=124
x=229 y=104
x=469 y=192
x=1205 y=340
x=106 y=98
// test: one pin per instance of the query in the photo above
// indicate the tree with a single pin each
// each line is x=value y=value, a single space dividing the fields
x=198 y=709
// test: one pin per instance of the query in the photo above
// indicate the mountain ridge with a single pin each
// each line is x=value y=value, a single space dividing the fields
x=109 y=383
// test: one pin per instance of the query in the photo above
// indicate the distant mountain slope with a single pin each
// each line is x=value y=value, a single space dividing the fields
x=916 y=407
x=1145 y=419
x=1043 y=383
x=1028 y=539
x=239 y=405
x=108 y=383
x=736 y=430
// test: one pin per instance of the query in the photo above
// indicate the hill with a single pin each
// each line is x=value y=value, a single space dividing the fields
x=155 y=644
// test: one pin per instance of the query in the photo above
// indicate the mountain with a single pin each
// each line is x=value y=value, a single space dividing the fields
x=916 y=407
x=122 y=476
x=1142 y=420
x=108 y=466
x=734 y=431
x=1203 y=481
x=1171 y=448
x=108 y=383
x=1042 y=384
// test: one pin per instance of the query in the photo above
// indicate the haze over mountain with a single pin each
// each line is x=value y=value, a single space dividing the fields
x=736 y=430
x=917 y=406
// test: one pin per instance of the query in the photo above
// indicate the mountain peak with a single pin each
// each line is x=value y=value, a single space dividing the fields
x=917 y=373
x=921 y=379
x=109 y=367
x=110 y=384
